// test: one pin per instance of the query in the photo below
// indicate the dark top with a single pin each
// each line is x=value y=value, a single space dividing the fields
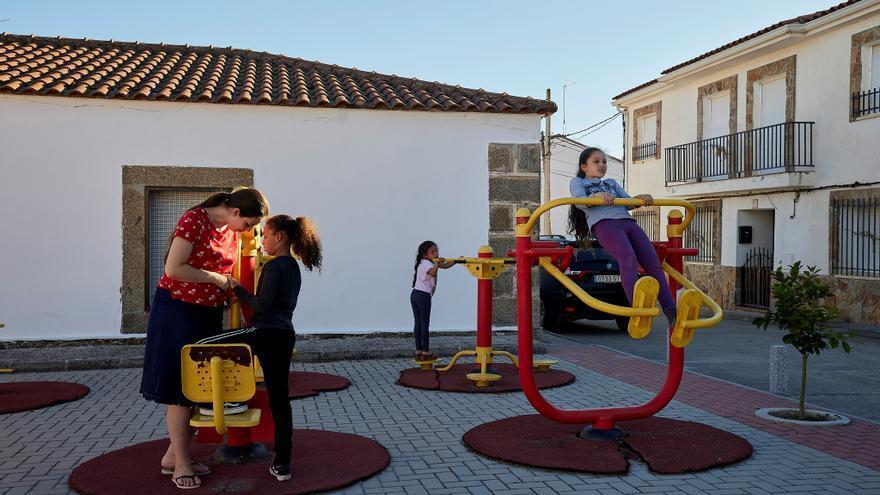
x=277 y=292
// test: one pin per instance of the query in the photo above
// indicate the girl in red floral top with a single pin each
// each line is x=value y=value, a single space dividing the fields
x=188 y=306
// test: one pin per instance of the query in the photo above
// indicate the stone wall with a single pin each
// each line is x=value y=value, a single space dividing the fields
x=856 y=299
x=717 y=281
x=514 y=182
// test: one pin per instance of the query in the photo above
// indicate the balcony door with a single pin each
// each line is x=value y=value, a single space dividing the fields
x=716 y=140
x=769 y=138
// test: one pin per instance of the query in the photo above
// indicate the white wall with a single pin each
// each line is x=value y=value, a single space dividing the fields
x=844 y=152
x=376 y=182
x=762 y=224
x=564 y=156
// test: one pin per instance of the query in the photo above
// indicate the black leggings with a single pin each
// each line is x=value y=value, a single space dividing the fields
x=421 y=306
x=274 y=347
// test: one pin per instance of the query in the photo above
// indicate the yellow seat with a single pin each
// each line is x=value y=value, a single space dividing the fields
x=645 y=295
x=688 y=310
x=219 y=373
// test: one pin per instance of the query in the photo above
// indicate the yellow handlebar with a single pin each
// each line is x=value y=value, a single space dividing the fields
x=716 y=309
x=217 y=394
x=591 y=301
x=690 y=210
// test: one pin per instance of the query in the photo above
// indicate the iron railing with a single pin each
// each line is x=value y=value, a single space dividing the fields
x=647 y=151
x=855 y=236
x=866 y=102
x=648 y=220
x=753 y=279
x=700 y=233
x=775 y=148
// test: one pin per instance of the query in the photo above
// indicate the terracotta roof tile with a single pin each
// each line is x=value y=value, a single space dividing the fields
x=803 y=19
x=113 y=69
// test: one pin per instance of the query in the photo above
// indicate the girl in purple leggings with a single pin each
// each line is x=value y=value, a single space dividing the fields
x=613 y=226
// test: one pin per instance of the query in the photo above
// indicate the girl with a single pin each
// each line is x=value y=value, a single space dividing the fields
x=188 y=305
x=613 y=226
x=424 y=283
x=271 y=333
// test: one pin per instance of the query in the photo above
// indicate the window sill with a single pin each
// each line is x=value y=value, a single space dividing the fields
x=865 y=117
x=856 y=277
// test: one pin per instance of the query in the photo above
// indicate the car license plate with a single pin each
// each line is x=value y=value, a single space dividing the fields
x=609 y=279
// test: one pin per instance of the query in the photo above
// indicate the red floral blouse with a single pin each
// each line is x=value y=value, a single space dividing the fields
x=213 y=250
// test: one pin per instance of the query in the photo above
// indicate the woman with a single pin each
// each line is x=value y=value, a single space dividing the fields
x=188 y=306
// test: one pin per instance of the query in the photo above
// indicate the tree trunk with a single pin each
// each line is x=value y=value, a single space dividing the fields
x=803 y=386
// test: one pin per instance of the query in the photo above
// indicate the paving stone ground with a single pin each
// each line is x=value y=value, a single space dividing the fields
x=422 y=431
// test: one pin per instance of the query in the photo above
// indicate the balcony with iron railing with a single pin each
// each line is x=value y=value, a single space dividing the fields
x=646 y=151
x=785 y=149
x=866 y=103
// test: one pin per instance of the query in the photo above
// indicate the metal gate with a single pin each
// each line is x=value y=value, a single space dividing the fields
x=754 y=278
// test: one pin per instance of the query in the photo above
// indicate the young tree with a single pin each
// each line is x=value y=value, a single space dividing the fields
x=800 y=312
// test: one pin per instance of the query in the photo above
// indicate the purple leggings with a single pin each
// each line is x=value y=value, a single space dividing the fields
x=628 y=244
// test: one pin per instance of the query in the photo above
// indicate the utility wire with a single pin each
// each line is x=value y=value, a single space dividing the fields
x=600 y=123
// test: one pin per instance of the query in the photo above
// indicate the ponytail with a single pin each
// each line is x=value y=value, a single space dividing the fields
x=302 y=233
x=421 y=254
x=577 y=224
x=250 y=202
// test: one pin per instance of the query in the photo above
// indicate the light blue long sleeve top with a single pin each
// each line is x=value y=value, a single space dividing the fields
x=584 y=188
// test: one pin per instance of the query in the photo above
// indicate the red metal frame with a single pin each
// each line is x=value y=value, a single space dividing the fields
x=526 y=255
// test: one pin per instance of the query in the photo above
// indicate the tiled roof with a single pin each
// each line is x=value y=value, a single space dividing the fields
x=803 y=19
x=136 y=71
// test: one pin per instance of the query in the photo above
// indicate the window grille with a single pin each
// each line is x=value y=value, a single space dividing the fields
x=701 y=233
x=855 y=236
x=648 y=220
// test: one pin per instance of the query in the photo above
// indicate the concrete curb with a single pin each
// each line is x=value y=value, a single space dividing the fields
x=129 y=353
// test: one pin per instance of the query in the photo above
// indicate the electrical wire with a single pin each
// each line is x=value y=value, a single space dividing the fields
x=600 y=123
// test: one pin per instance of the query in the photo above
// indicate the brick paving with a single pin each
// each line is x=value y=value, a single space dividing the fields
x=422 y=431
x=859 y=442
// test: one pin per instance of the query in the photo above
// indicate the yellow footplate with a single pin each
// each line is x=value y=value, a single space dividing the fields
x=426 y=365
x=483 y=379
x=688 y=310
x=644 y=296
x=544 y=364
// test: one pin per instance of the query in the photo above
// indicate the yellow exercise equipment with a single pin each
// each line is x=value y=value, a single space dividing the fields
x=219 y=373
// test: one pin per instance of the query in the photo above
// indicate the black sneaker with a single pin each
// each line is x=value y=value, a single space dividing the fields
x=228 y=408
x=280 y=472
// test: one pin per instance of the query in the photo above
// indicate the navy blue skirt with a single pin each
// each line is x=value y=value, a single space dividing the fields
x=172 y=325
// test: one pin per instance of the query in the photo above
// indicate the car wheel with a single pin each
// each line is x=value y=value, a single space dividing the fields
x=622 y=322
x=549 y=316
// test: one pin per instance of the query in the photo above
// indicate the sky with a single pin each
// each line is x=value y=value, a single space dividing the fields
x=595 y=49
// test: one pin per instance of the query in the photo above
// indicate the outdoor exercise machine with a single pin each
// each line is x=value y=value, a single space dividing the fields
x=485 y=268
x=528 y=253
x=243 y=442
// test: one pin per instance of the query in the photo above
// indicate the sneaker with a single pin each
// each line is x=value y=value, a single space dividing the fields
x=228 y=408
x=281 y=473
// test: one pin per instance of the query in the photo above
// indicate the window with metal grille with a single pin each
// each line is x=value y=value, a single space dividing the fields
x=648 y=220
x=702 y=233
x=867 y=100
x=646 y=147
x=164 y=209
x=855 y=235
